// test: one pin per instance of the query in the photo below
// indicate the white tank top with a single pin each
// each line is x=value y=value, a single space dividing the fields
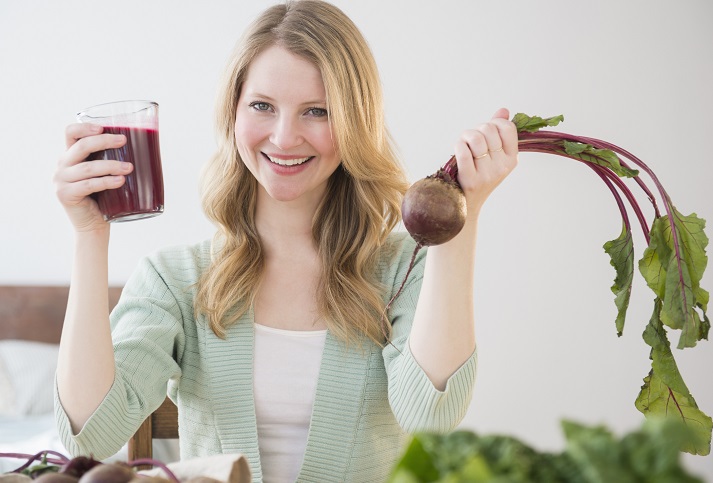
x=286 y=369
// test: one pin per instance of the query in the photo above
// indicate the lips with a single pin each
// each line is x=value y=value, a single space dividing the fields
x=287 y=161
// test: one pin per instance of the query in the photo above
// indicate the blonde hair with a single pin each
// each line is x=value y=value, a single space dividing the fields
x=363 y=199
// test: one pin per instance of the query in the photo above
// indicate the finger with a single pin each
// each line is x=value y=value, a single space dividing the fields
x=507 y=133
x=465 y=160
x=502 y=113
x=74 y=193
x=77 y=131
x=476 y=143
x=492 y=137
x=93 y=169
x=83 y=147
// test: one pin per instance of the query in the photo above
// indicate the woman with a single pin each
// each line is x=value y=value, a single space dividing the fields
x=269 y=337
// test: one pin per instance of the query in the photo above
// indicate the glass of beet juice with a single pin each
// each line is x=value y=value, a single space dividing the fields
x=141 y=196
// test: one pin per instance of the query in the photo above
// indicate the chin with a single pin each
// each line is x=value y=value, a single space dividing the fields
x=284 y=195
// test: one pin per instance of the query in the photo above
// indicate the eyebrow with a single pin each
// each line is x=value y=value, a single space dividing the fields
x=268 y=98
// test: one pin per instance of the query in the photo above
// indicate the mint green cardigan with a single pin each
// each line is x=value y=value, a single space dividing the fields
x=368 y=398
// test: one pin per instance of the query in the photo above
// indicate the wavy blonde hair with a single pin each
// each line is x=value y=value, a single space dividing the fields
x=363 y=199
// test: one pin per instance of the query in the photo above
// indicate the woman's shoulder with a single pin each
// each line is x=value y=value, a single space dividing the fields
x=197 y=253
x=180 y=261
x=170 y=271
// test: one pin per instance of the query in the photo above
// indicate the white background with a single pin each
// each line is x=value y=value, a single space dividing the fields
x=636 y=73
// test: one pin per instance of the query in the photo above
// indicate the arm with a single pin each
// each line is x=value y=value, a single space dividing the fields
x=85 y=366
x=443 y=333
x=415 y=402
x=148 y=339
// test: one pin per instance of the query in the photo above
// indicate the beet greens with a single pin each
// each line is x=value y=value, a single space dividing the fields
x=672 y=266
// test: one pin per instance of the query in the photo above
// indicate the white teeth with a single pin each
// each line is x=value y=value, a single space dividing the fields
x=288 y=162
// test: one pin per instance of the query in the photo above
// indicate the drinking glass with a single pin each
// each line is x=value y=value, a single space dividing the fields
x=141 y=196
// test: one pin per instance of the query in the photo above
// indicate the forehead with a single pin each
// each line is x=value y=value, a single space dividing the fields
x=278 y=73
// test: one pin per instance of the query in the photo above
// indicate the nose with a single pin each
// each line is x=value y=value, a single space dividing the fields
x=286 y=133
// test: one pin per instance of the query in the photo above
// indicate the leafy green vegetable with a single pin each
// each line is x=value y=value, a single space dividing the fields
x=672 y=265
x=591 y=455
x=40 y=468
x=664 y=391
x=600 y=157
x=527 y=123
x=621 y=252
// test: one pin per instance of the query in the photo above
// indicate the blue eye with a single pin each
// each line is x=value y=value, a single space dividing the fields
x=317 y=112
x=260 y=106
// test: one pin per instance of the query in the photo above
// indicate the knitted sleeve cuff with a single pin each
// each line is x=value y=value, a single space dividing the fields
x=102 y=435
x=418 y=405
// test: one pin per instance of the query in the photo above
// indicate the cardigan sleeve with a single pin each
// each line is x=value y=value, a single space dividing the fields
x=417 y=404
x=147 y=332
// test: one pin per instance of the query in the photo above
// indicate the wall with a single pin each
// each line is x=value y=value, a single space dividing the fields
x=636 y=73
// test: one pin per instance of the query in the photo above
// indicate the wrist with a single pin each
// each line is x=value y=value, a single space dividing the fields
x=92 y=236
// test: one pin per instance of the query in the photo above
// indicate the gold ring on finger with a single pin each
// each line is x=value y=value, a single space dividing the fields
x=497 y=150
x=482 y=155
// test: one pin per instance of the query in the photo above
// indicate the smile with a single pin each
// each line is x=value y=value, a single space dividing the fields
x=288 y=162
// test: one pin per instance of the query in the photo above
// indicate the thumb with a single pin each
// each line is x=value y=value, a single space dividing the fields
x=502 y=113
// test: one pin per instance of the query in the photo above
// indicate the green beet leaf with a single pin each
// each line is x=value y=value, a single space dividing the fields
x=665 y=394
x=657 y=398
x=525 y=123
x=601 y=157
x=673 y=265
x=621 y=252
x=651 y=266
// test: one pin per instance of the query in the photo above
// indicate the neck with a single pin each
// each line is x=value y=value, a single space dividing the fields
x=284 y=227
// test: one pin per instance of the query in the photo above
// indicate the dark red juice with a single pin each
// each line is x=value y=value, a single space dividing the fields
x=141 y=196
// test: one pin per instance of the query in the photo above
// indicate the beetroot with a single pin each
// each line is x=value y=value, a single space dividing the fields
x=109 y=473
x=79 y=465
x=433 y=209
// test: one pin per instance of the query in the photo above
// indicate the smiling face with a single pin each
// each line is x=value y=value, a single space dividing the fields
x=282 y=129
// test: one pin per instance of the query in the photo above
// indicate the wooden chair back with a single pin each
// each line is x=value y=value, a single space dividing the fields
x=161 y=424
x=36 y=312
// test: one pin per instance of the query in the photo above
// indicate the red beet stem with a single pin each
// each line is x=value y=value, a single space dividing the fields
x=529 y=139
x=61 y=459
x=451 y=169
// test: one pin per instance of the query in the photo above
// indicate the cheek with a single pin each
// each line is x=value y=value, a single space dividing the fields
x=323 y=141
x=247 y=135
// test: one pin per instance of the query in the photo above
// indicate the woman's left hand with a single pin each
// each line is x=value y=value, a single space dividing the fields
x=485 y=156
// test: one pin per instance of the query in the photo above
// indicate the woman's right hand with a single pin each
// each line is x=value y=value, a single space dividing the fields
x=75 y=180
